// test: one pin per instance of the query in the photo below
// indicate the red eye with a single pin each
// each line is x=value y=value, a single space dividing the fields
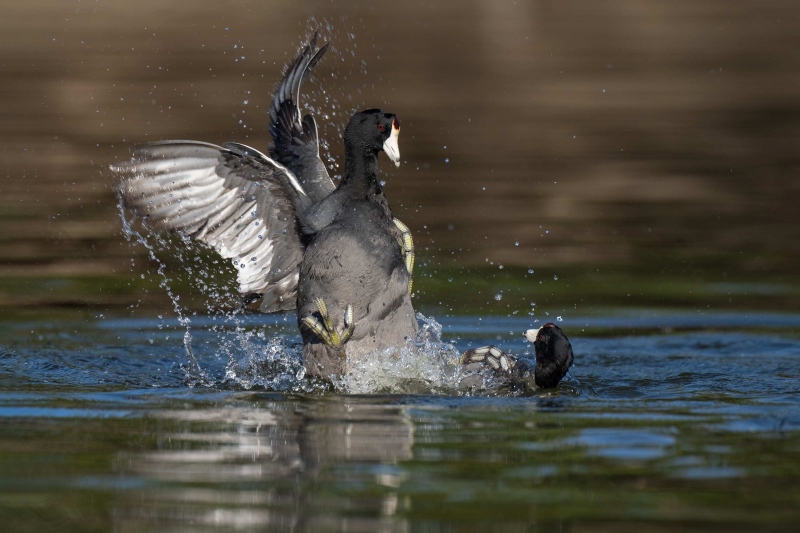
x=381 y=127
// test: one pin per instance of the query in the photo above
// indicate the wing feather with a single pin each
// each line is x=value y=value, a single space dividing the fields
x=295 y=142
x=240 y=204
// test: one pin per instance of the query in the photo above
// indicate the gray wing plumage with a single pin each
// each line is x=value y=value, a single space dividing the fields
x=295 y=142
x=232 y=198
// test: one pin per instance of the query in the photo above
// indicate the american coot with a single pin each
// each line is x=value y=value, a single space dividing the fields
x=553 y=359
x=337 y=254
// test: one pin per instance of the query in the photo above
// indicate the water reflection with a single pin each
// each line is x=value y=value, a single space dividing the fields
x=625 y=444
x=646 y=439
x=257 y=466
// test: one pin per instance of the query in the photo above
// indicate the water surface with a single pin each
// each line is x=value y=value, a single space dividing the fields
x=628 y=166
x=694 y=426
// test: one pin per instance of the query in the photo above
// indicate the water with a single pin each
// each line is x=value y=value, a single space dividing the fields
x=692 y=425
x=627 y=167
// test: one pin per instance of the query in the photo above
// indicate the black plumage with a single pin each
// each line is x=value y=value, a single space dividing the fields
x=295 y=144
x=553 y=355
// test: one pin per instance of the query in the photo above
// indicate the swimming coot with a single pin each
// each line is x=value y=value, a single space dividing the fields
x=335 y=253
x=553 y=359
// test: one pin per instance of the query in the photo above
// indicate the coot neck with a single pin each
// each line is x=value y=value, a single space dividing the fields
x=360 y=178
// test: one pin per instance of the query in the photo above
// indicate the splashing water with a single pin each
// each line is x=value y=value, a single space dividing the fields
x=253 y=359
x=194 y=374
x=425 y=364
x=275 y=367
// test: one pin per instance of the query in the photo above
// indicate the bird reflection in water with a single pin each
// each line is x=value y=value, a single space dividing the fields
x=300 y=466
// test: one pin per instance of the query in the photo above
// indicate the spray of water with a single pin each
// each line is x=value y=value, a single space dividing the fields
x=194 y=373
x=253 y=358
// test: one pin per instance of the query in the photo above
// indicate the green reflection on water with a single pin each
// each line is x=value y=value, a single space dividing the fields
x=348 y=464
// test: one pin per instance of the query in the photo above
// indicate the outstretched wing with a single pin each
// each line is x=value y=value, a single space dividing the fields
x=232 y=198
x=295 y=143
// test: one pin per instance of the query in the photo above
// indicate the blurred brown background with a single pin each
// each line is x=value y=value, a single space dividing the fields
x=630 y=147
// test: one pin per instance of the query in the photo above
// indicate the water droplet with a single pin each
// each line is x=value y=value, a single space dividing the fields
x=498 y=296
x=555 y=278
x=516 y=243
x=559 y=319
x=530 y=271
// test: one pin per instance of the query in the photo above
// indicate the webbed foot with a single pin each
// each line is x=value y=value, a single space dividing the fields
x=406 y=242
x=325 y=329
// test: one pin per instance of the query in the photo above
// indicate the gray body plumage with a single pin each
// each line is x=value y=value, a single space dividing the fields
x=356 y=260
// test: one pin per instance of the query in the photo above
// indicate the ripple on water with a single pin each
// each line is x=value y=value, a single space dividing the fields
x=628 y=444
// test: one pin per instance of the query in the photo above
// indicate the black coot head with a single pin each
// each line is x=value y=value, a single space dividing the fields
x=553 y=355
x=376 y=131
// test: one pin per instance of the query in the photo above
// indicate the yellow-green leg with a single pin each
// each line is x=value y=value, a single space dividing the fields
x=325 y=329
x=406 y=242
